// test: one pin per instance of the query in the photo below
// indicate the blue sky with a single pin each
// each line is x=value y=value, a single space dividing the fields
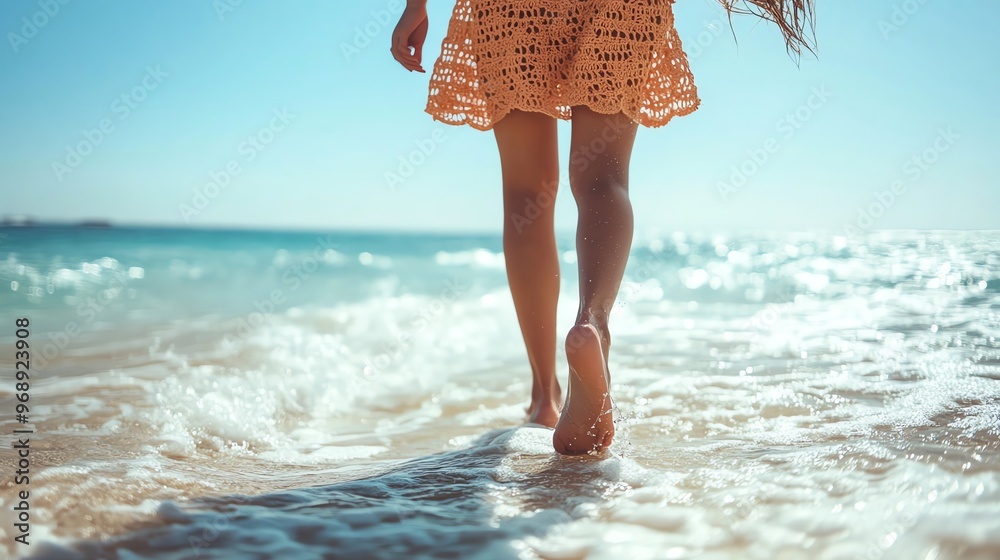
x=128 y=110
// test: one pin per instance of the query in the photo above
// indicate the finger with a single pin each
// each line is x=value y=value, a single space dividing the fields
x=404 y=61
x=402 y=50
x=415 y=53
x=418 y=55
x=414 y=65
x=395 y=56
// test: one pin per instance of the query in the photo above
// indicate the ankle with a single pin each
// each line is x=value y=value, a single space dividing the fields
x=548 y=393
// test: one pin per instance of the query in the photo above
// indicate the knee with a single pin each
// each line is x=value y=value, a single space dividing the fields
x=527 y=210
x=591 y=186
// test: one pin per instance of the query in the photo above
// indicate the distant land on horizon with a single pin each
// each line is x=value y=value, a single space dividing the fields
x=25 y=221
x=20 y=220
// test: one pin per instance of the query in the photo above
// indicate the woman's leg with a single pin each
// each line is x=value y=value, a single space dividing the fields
x=529 y=159
x=601 y=148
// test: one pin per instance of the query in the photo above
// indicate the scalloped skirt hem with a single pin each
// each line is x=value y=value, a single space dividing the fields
x=560 y=112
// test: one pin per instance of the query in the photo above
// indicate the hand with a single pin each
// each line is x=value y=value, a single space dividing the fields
x=410 y=32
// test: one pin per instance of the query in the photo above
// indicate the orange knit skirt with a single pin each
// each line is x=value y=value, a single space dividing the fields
x=548 y=56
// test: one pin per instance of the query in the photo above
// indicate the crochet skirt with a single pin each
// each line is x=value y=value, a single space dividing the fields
x=548 y=56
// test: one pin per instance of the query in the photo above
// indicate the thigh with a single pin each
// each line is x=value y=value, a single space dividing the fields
x=600 y=146
x=529 y=150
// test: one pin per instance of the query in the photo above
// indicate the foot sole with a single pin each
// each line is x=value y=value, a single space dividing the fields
x=586 y=425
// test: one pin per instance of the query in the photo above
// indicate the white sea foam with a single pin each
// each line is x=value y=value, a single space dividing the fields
x=774 y=400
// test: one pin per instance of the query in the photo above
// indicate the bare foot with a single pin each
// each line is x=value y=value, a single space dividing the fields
x=586 y=424
x=545 y=411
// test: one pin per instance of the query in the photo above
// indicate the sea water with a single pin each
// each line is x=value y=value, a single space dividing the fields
x=251 y=394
